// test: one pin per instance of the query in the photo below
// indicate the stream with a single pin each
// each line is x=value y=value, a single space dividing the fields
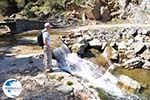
x=90 y=73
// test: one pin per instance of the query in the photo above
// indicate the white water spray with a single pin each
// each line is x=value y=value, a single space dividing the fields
x=88 y=72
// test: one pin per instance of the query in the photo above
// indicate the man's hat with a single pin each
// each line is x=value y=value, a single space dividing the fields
x=47 y=24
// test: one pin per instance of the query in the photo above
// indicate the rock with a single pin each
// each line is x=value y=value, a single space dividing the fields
x=133 y=31
x=105 y=14
x=64 y=89
x=78 y=48
x=82 y=95
x=148 y=33
x=130 y=42
x=139 y=47
x=146 y=54
x=87 y=37
x=145 y=5
x=130 y=53
x=95 y=43
x=139 y=37
x=122 y=46
x=81 y=40
x=146 y=65
x=41 y=79
x=55 y=63
x=110 y=53
x=133 y=63
x=77 y=34
x=123 y=3
x=128 y=85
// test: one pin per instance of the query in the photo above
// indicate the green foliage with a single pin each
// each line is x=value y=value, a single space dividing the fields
x=7 y=7
x=69 y=83
x=77 y=2
x=33 y=9
x=28 y=12
x=60 y=78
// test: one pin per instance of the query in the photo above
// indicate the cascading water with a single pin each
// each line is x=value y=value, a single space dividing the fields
x=89 y=72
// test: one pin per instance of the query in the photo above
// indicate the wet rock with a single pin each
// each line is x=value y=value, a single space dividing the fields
x=128 y=85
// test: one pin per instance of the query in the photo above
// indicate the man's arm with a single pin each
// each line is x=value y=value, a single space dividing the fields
x=46 y=42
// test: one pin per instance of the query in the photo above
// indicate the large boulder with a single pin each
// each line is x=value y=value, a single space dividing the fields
x=128 y=85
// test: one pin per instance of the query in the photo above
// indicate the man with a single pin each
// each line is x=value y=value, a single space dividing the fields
x=47 y=47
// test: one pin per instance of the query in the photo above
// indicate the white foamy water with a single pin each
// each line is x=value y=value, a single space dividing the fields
x=88 y=72
x=93 y=74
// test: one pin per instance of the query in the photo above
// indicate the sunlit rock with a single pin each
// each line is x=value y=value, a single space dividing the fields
x=139 y=47
x=146 y=65
x=64 y=89
x=81 y=40
x=110 y=53
x=133 y=63
x=128 y=85
x=78 y=48
x=139 y=37
x=55 y=63
x=87 y=37
x=146 y=54
x=122 y=46
x=95 y=43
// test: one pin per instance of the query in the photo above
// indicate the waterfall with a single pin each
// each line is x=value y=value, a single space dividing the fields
x=88 y=72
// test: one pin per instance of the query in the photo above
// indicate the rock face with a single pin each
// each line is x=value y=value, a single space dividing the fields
x=105 y=10
x=128 y=47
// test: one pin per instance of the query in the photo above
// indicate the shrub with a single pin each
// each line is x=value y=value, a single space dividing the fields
x=69 y=83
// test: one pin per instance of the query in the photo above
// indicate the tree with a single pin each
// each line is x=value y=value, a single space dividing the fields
x=8 y=7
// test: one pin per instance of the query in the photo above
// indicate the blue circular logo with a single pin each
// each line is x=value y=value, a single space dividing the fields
x=12 y=88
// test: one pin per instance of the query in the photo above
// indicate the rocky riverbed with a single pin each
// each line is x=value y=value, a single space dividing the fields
x=21 y=58
x=126 y=47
